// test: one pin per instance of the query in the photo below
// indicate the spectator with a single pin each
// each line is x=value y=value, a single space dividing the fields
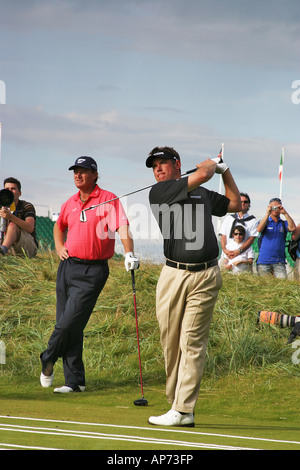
x=243 y=261
x=296 y=236
x=241 y=218
x=20 y=236
x=273 y=230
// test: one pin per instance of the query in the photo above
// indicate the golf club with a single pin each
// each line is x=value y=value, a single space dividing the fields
x=83 y=217
x=140 y=401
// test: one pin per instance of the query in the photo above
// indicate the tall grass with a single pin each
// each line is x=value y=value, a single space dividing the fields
x=237 y=344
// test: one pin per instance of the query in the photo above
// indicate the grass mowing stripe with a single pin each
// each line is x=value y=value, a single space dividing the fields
x=17 y=446
x=143 y=428
x=115 y=437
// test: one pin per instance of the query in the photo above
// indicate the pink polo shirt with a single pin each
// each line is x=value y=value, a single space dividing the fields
x=95 y=238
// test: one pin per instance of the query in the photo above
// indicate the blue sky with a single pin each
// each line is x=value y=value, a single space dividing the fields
x=113 y=79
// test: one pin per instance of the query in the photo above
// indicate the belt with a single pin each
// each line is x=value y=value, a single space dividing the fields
x=88 y=261
x=192 y=267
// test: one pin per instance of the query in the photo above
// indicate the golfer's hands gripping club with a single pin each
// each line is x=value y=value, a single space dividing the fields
x=131 y=261
x=221 y=166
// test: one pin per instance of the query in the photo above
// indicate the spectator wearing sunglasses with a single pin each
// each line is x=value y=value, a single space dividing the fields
x=249 y=222
x=243 y=261
x=273 y=230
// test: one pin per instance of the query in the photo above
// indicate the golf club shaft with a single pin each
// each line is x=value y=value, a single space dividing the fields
x=133 y=192
x=137 y=329
x=83 y=219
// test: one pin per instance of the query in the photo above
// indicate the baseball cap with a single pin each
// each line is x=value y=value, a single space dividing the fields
x=85 y=162
x=160 y=154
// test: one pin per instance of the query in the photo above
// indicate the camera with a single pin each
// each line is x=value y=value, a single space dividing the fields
x=275 y=208
x=6 y=198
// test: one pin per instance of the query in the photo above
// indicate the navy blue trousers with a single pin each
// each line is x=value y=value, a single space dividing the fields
x=78 y=287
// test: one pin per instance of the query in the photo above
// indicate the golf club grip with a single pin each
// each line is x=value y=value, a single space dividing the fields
x=190 y=171
x=133 y=280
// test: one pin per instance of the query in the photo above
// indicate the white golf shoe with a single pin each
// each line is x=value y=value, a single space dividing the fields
x=69 y=389
x=173 y=418
x=46 y=380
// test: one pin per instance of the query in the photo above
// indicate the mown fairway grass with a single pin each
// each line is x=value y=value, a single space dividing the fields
x=250 y=386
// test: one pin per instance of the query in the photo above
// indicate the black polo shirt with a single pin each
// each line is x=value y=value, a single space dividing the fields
x=26 y=209
x=185 y=220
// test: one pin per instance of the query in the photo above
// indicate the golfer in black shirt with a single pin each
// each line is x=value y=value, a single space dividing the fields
x=190 y=281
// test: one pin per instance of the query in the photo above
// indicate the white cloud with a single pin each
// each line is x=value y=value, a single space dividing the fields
x=113 y=79
x=128 y=137
x=235 y=31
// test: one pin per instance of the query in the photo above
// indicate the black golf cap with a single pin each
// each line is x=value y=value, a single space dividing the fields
x=85 y=162
x=160 y=154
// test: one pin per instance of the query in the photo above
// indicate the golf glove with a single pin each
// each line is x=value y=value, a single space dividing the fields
x=131 y=261
x=221 y=168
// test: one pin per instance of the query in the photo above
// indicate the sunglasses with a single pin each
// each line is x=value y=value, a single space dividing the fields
x=238 y=233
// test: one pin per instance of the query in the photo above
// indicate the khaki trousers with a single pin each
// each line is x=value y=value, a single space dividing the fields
x=25 y=244
x=184 y=308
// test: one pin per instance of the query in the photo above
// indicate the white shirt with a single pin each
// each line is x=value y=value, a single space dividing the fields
x=250 y=226
x=248 y=254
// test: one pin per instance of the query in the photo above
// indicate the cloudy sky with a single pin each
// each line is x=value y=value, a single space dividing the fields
x=113 y=79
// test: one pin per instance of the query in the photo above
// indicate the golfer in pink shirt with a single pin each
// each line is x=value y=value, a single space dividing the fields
x=84 y=249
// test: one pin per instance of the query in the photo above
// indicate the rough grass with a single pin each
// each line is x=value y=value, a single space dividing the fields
x=237 y=345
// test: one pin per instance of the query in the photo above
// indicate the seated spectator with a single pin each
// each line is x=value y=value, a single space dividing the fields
x=241 y=218
x=243 y=261
x=271 y=258
x=20 y=235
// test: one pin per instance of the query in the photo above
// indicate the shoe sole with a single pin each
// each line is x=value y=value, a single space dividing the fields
x=63 y=392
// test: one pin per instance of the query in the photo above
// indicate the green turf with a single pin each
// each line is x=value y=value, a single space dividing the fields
x=248 y=407
x=250 y=386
